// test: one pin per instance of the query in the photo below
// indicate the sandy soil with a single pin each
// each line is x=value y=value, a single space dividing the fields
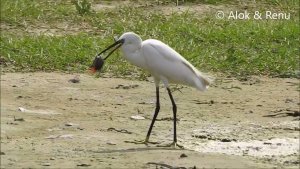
x=48 y=121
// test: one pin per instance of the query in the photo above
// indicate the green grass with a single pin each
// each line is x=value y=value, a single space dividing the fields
x=234 y=47
x=33 y=11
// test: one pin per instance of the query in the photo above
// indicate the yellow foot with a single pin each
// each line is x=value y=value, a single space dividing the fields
x=146 y=142
x=172 y=145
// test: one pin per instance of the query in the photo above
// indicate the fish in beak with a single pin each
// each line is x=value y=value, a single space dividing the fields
x=99 y=59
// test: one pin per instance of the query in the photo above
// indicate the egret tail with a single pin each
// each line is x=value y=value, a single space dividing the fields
x=202 y=82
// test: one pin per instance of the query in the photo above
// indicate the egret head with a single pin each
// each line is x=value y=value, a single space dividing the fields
x=131 y=40
x=128 y=41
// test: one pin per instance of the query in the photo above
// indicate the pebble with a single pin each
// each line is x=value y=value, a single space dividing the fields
x=22 y=109
x=110 y=143
x=200 y=136
x=137 y=117
x=74 y=80
x=71 y=124
x=64 y=136
x=80 y=128
x=46 y=164
x=267 y=143
x=83 y=165
x=225 y=140
x=183 y=155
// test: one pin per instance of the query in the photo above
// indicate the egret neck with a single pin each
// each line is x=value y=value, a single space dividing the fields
x=131 y=49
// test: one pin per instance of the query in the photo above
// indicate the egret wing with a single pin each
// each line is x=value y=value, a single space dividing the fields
x=168 y=65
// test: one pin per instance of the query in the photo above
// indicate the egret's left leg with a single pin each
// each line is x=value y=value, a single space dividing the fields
x=157 y=108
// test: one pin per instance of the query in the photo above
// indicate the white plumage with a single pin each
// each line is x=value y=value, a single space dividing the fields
x=163 y=62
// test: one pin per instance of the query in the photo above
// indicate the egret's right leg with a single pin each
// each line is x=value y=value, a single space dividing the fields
x=157 y=108
x=174 y=144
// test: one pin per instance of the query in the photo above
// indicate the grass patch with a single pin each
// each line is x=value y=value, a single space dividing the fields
x=234 y=47
x=19 y=12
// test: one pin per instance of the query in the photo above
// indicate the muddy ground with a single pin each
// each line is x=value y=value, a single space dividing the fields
x=48 y=121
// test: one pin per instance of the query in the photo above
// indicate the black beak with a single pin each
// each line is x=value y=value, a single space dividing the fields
x=99 y=61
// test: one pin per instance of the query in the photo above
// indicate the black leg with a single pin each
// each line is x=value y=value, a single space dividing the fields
x=146 y=141
x=155 y=114
x=174 y=114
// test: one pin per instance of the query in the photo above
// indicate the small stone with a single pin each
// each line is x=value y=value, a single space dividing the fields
x=71 y=124
x=134 y=86
x=200 y=136
x=51 y=137
x=225 y=140
x=2 y=153
x=267 y=143
x=289 y=101
x=74 y=80
x=52 y=158
x=126 y=87
x=83 y=165
x=137 y=117
x=66 y=136
x=79 y=128
x=46 y=164
x=22 y=109
x=110 y=143
x=183 y=155
x=119 y=86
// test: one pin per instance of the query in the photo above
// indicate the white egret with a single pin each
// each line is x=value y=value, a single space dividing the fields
x=164 y=64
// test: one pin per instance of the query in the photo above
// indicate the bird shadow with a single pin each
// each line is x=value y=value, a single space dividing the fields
x=135 y=150
x=156 y=164
x=285 y=114
x=163 y=165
